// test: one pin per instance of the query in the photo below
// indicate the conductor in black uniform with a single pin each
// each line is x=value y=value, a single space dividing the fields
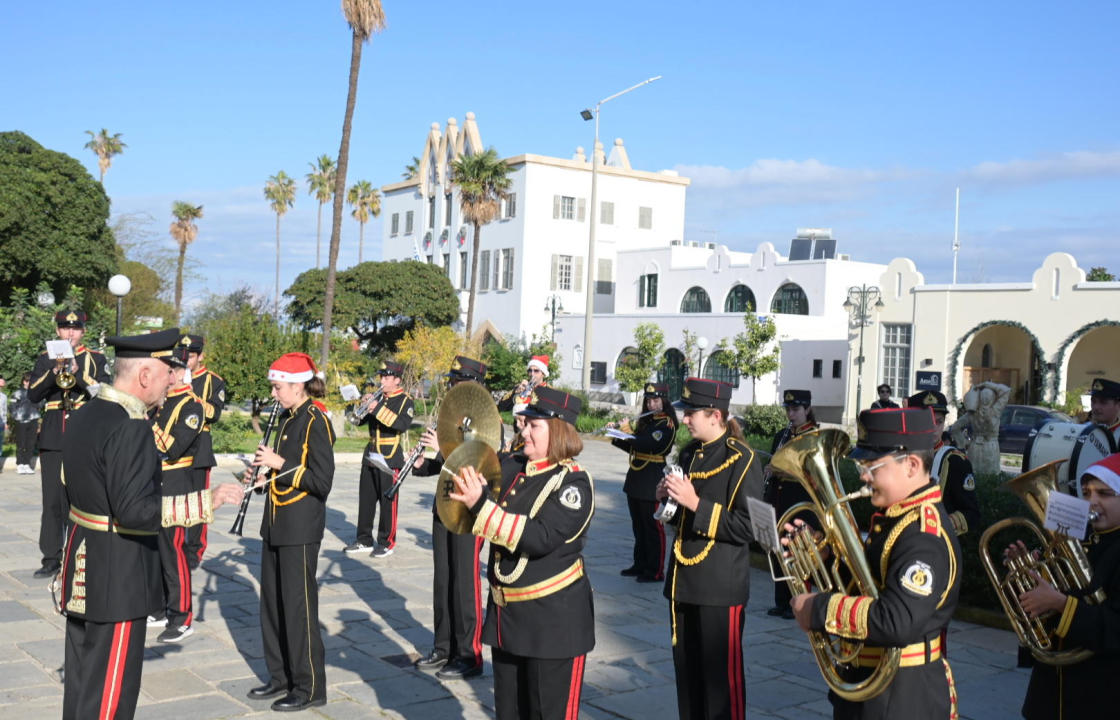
x=301 y=461
x=388 y=423
x=951 y=468
x=110 y=577
x=914 y=558
x=88 y=371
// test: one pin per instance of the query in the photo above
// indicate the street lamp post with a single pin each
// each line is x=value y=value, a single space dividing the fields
x=861 y=302
x=702 y=344
x=119 y=285
x=553 y=305
x=588 y=114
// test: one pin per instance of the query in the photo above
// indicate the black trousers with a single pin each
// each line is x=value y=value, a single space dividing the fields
x=196 y=534
x=708 y=659
x=649 y=538
x=103 y=666
x=293 y=641
x=535 y=688
x=27 y=434
x=456 y=593
x=176 y=575
x=372 y=486
x=56 y=508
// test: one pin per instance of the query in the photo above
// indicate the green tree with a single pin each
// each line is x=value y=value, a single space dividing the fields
x=689 y=346
x=320 y=184
x=366 y=201
x=411 y=169
x=280 y=191
x=482 y=181
x=104 y=146
x=1100 y=274
x=184 y=231
x=636 y=368
x=748 y=351
x=378 y=301
x=143 y=300
x=53 y=220
x=365 y=17
x=506 y=362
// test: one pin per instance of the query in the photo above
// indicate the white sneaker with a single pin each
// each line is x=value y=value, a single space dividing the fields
x=26 y=470
x=153 y=621
x=173 y=635
x=357 y=547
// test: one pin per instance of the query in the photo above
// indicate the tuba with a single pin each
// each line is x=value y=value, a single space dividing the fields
x=1062 y=563
x=812 y=460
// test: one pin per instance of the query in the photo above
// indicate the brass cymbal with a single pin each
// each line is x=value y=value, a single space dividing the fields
x=468 y=412
x=474 y=453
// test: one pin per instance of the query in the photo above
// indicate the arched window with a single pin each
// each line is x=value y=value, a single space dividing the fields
x=628 y=357
x=739 y=300
x=790 y=300
x=696 y=301
x=718 y=368
x=986 y=356
x=672 y=372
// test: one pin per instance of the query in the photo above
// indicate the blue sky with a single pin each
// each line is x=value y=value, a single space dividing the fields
x=862 y=117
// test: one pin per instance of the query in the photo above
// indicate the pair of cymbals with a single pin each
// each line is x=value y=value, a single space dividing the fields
x=468 y=413
x=473 y=453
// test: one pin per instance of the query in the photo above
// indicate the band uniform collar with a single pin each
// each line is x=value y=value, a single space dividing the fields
x=802 y=429
x=929 y=493
x=536 y=467
x=133 y=405
x=394 y=393
x=722 y=436
x=179 y=390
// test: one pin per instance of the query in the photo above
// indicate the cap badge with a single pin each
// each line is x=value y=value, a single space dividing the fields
x=532 y=399
x=862 y=432
x=929 y=399
x=456 y=365
x=685 y=393
x=1098 y=385
x=789 y=397
x=650 y=388
x=72 y=317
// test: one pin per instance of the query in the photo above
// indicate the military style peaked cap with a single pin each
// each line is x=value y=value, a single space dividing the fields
x=465 y=368
x=928 y=399
x=803 y=398
x=546 y=402
x=1105 y=389
x=660 y=390
x=703 y=393
x=70 y=319
x=160 y=345
x=882 y=432
x=391 y=368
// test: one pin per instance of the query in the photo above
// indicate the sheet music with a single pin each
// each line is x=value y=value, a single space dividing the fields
x=349 y=393
x=1066 y=515
x=764 y=524
x=616 y=433
x=59 y=349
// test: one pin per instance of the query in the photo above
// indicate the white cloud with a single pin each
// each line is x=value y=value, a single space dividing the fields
x=1080 y=164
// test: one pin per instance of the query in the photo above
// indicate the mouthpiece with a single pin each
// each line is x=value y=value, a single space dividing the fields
x=863 y=492
x=1094 y=516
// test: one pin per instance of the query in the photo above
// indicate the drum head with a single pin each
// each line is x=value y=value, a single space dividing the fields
x=1079 y=445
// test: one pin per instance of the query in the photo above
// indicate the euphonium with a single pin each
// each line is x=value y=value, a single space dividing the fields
x=812 y=459
x=1062 y=563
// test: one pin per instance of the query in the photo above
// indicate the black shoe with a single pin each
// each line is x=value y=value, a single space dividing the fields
x=787 y=614
x=776 y=611
x=265 y=692
x=432 y=661
x=46 y=571
x=649 y=579
x=629 y=572
x=459 y=669
x=294 y=703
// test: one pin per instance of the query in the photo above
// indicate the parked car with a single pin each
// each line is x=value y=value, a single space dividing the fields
x=1017 y=422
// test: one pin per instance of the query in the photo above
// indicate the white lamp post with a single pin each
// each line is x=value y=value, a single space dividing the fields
x=702 y=344
x=861 y=303
x=120 y=286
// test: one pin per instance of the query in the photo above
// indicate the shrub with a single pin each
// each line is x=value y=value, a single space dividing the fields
x=232 y=431
x=763 y=420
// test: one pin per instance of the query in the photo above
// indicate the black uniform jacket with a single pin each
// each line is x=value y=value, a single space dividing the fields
x=710 y=558
x=952 y=471
x=653 y=440
x=540 y=598
x=295 y=509
x=178 y=430
x=210 y=389
x=110 y=566
x=388 y=421
x=785 y=492
x=1084 y=690
x=91 y=371
x=513 y=397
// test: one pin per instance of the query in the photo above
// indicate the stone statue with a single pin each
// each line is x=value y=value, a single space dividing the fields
x=983 y=406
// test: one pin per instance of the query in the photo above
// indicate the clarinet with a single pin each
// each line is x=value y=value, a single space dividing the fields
x=239 y=521
x=407 y=469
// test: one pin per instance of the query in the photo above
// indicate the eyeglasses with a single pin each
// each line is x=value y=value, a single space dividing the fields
x=535 y=370
x=869 y=470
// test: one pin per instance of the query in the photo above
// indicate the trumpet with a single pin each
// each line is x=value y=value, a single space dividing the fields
x=64 y=379
x=356 y=414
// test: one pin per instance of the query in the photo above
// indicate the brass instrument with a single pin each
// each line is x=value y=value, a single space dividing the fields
x=1062 y=563
x=64 y=379
x=356 y=414
x=467 y=412
x=453 y=514
x=812 y=459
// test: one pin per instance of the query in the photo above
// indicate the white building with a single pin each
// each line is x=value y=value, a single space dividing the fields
x=706 y=289
x=537 y=247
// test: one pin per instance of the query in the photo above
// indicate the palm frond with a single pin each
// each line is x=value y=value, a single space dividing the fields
x=365 y=17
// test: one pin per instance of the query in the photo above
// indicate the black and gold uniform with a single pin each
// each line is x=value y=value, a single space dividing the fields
x=708 y=580
x=210 y=389
x=537 y=370
x=388 y=423
x=292 y=531
x=90 y=374
x=654 y=437
x=952 y=470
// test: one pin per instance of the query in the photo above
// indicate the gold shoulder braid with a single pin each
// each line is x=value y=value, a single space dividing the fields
x=523 y=559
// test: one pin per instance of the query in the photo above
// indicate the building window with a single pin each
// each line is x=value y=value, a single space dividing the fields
x=790 y=300
x=431 y=212
x=647 y=290
x=603 y=283
x=598 y=372
x=510 y=206
x=567 y=208
x=739 y=300
x=447 y=210
x=408 y=223
x=431 y=259
x=447 y=265
x=645 y=218
x=629 y=357
x=818 y=368
x=718 y=367
x=507 y=269
x=484 y=270
x=395 y=224
x=896 y=358
x=606 y=213
x=463 y=271
x=696 y=301
x=562 y=274
x=837 y=369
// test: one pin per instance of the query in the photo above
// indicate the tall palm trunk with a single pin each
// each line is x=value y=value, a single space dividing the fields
x=339 y=193
x=474 y=281
x=276 y=292
x=318 y=235
x=179 y=281
x=361 y=240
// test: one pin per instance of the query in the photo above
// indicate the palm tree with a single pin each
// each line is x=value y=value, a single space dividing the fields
x=105 y=146
x=184 y=231
x=320 y=183
x=365 y=17
x=366 y=201
x=280 y=191
x=412 y=169
x=482 y=181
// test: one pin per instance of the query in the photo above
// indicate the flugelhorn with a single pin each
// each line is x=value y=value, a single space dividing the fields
x=812 y=460
x=1062 y=563
x=357 y=414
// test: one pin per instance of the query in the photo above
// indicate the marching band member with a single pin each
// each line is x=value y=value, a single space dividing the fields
x=915 y=559
x=1104 y=404
x=89 y=371
x=951 y=468
x=210 y=389
x=302 y=464
x=388 y=422
x=111 y=570
x=1083 y=689
x=708 y=583
x=784 y=493
x=537 y=371
x=654 y=436
x=540 y=620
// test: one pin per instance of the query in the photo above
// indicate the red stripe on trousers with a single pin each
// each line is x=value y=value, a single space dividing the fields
x=734 y=660
x=205 y=526
x=184 y=571
x=393 y=524
x=574 y=688
x=114 y=671
x=476 y=638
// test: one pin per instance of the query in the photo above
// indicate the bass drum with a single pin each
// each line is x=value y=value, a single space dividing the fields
x=1079 y=444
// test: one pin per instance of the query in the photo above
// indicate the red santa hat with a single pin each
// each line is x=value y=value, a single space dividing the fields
x=293 y=368
x=1107 y=471
x=539 y=362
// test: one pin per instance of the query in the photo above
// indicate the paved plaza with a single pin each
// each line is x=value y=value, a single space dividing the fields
x=376 y=616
